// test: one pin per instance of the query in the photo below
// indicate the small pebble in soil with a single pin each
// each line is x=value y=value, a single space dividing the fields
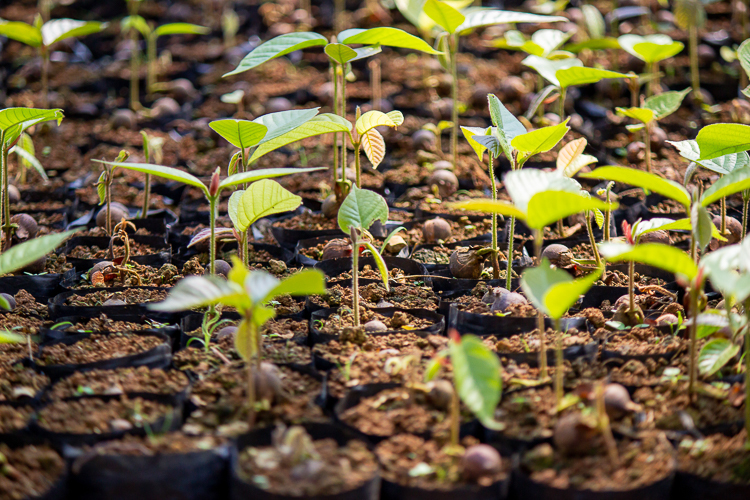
x=444 y=181
x=10 y=299
x=481 y=460
x=436 y=229
x=375 y=326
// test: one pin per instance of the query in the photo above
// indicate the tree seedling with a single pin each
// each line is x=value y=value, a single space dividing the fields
x=25 y=151
x=104 y=187
x=43 y=35
x=690 y=15
x=152 y=148
x=249 y=292
x=651 y=49
x=654 y=108
x=357 y=213
x=367 y=137
x=437 y=129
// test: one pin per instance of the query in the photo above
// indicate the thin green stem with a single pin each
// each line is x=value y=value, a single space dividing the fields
x=695 y=76
x=694 y=294
x=335 y=76
x=723 y=215
x=745 y=206
x=355 y=276
x=495 y=260
x=146 y=196
x=592 y=240
x=631 y=286
x=607 y=217
x=558 y=363
x=134 y=70
x=453 y=44
x=343 y=115
x=561 y=112
x=647 y=143
x=45 y=76
x=357 y=168
x=4 y=173
x=538 y=235
x=455 y=418
x=212 y=244
x=108 y=195
x=151 y=55
x=251 y=381
x=509 y=267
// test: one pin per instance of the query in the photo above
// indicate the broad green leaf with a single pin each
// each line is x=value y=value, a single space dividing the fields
x=25 y=151
x=722 y=139
x=199 y=291
x=593 y=44
x=361 y=208
x=10 y=117
x=662 y=224
x=321 y=124
x=547 y=207
x=650 y=48
x=643 y=115
x=540 y=140
x=373 y=119
x=307 y=282
x=643 y=180
x=703 y=225
x=668 y=258
x=373 y=145
x=8 y=337
x=21 y=255
x=444 y=15
x=727 y=269
x=239 y=133
x=264 y=173
x=553 y=290
x=594 y=21
x=180 y=29
x=281 y=122
x=573 y=76
x=233 y=206
x=340 y=53
x=666 y=103
x=549 y=40
x=261 y=199
x=277 y=47
x=710 y=322
x=21 y=32
x=365 y=52
x=257 y=284
x=732 y=183
x=489 y=142
x=101 y=187
x=61 y=29
x=245 y=340
x=469 y=133
x=387 y=37
x=490 y=17
x=599 y=218
x=137 y=23
x=548 y=68
x=715 y=355
x=722 y=165
x=743 y=54
x=523 y=184
x=397 y=117
x=507 y=126
x=571 y=159
x=170 y=173
x=491 y=207
x=380 y=263
x=413 y=10
x=476 y=375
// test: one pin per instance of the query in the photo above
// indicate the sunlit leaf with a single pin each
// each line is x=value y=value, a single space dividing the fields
x=319 y=125
x=264 y=173
x=21 y=32
x=170 y=173
x=668 y=258
x=734 y=182
x=21 y=255
x=261 y=199
x=490 y=17
x=277 y=47
x=180 y=29
x=239 y=133
x=373 y=145
x=650 y=48
x=444 y=15
x=199 y=291
x=571 y=159
x=340 y=53
x=715 y=355
x=553 y=290
x=469 y=133
x=540 y=140
x=361 y=208
x=666 y=103
x=57 y=30
x=387 y=37
x=720 y=139
x=644 y=180
x=549 y=68
x=573 y=76
x=507 y=126
x=382 y=267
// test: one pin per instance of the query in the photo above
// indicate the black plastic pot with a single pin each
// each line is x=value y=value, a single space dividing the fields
x=58 y=308
x=588 y=351
x=42 y=287
x=278 y=253
x=198 y=475
x=156 y=222
x=243 y=490
x=334 y=267
x=163 y=256
x=522 y=486
x=436 y=328
x=442 y=269
x=157 y=357
x=495 y=491
x=691 y=487
x=288 y=238
x=304 y=260
x=444 y=282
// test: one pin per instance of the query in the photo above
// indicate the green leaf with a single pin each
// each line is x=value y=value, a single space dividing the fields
x=261 y=199
x=593 y=44
x=490 y=17
x=180 y=29
x=650 y=48
x=703 y=225
x=743 y=54
x=281 y=122
x=722 y=165
x=490 y=206
x=594 y=20
x=61 y=29
x=643 y=115
x=11 y=117
x=523 y=184
x=553 y=290
x=540 y=140
x=668 y=258
x=660 y=224
x=239 y=133
x=21 y=32
x=569 y=77
x=365 y=52
x=727 y=269
x=373 y=145
x=599 y=218
x=137 y=23
x=444 y=15
x=666 y=103
x=319 y=125
x=489 y=142
x=277 y=47
x=732 y=183
x=508 y=127
x=199 y=291
x=245 y=341
x=307 y=282
x=233 y=206
x=380 y=263
x=571 y=159
x=8 y=337
x=264 y=173
x=710 y=322
x=373 y=119
x=549 y=40
x=643 y=180
x=476 y=375
x=21 y=255
x=387 y=37
x=170 y=173
x=397 y=117
x=25 y=151
x=715 y=354
x=547 y=207
x=101 y=188
x=548 y=68
x=361 y=208
x=469 y=133
x=721 y=139
x=340 y=53
x=413 y=10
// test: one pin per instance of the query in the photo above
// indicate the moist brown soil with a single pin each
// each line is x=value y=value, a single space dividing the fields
x=283 y=352
x=285 y=329
x=97 y=416
x=96 y=348
x=316 y=252
x=399 y=455
x=131 y=296
x=222 y=406
x=94 y=252
x=530 y=342
x=368 y=272
x=336 y=323
x=337 y=469
x=373 y=294
x=717 y=457
x=474 y=304
x=529 y=414
x=436 y=255
x=307 y=221
x=30 y=471
x=399 y=411
x=398 y=357
x=197 y=360
x=642 y=463
x=162 y=444
x=643 y=341
x=166 y=275
x=13 y=419
x=11 y=353
x=120 y=381
x=20 y=323
x=104 y=324
x=461 y=230
x=26 y=305
x=18 y=382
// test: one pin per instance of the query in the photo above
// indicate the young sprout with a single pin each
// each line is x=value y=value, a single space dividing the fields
x=249 y=292
x=104 y=187
x=230 y=25
x=437 y=129
x=237 y=98
x=690 y=15
x=43 y=35
x=367 y=137
x=24 y=150
x=152 y=148
x=360 y=210
x=651 y=49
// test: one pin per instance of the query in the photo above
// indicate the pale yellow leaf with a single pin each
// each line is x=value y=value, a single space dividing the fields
x=374 y=147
